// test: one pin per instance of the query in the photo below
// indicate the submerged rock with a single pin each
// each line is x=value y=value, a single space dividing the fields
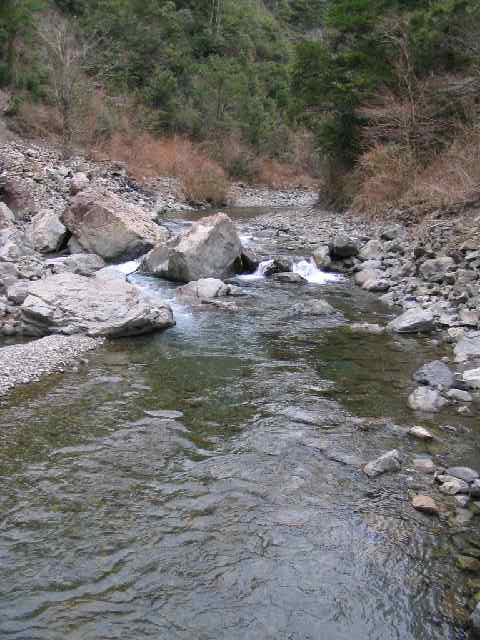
x=68 y=303
x=211 y=248
x=388 y=462
x=312 y=308
x=105 y=224
x=289 y=278
x=425 y=504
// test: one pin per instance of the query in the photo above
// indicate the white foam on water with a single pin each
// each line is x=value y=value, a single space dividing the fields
x=259 y=273
x=309 y=270
x=127 y=267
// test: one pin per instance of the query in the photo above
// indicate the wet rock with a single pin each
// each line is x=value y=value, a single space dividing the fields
x=211 y=248
x=83 y=264
x=205 y=289
x=425 y=504
x=312 y=308
x=279 y=264
x=414 y=320
x=343 y=247
x=458 y=395
x=105 y=224
x=46 y=232
x=68 y=303
x=388 y=462
x=435 y=374
x=454 y=486
x=250 y=260
x=424 y=465
x=420 y=433
x=322 y=258
x=426 y=399
x=289 y=278
x=463 y=473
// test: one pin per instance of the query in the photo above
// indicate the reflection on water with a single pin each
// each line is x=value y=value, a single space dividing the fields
x=245 y=516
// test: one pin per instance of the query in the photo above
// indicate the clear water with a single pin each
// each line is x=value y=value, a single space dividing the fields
x=245 y=515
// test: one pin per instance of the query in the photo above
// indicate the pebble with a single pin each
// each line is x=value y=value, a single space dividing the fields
x=425 y=504
x=421 y=433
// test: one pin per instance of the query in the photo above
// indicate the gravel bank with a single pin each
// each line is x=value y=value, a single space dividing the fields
x=25 y=363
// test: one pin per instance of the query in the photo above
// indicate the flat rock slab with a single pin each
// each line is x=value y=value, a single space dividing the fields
x=67 y=303
x=22 y=364
x=425 y=504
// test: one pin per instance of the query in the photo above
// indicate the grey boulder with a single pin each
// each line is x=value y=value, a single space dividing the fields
x=84 y=264
x=414 y=320
x=435 y=374
x=68 y=303
x=211 y=248
x=47 y=233
x=7 y=217
x=205 y=289
x=104 y=224
x=427 y=400
x=342 y=247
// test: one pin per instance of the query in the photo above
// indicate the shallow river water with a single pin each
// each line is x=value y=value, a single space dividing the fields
x=205 y=484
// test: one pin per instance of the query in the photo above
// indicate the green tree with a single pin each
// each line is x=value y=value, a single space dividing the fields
x=16 y=21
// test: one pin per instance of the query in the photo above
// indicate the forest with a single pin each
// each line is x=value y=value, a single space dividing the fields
x=374 y=100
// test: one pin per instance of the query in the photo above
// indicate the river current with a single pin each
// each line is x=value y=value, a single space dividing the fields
x=205 y=483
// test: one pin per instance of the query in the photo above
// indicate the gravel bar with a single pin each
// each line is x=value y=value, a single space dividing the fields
x=26 y=363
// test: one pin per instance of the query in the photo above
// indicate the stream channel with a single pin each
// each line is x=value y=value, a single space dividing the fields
x=205 y=483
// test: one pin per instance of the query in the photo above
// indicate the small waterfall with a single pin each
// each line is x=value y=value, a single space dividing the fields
x=309 y=270
x=127 y=267
x=259 y=273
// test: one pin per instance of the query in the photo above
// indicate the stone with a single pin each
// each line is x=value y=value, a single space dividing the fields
x=388 y=462
x=79 y=183
x=312 y=308
x=14 y=244
x=321 y=257
x=435 y=374
x=469 y=318
x=436 y=267
x=413 y=320
x=46 y=232
x=454 y=486
x=7 y=217
x=466 y=563
x=475 y=619
x=83 y=264
x=475 y=489
x=420 y=433
x=372 y=280
x=342 y=247
x=104 y=224
x=467 y=347
x=18 y=291
x=393 y=232
x=211 y=248
x=279 y=264
x=463 y=473
x=459 y=395
x=424 y=465
x=289 y=278
x=462 y=500
x=366 y=327
x=426 y=399
x=204 y=289
x=250 y=260
x=425 y=504
x=9 y=274
x=372 y=250
x=471 y=378
x=68 y=303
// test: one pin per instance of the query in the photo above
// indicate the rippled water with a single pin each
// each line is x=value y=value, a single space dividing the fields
x=205 y=483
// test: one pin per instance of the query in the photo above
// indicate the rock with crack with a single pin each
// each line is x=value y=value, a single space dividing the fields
x=104 y=224
x=68 y=304
x=211 y=248
x=388 y=462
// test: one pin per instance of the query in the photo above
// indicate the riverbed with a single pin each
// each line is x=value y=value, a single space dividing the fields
x=207 y=482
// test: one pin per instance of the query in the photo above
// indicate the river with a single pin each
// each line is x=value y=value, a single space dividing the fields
x=205 y=483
